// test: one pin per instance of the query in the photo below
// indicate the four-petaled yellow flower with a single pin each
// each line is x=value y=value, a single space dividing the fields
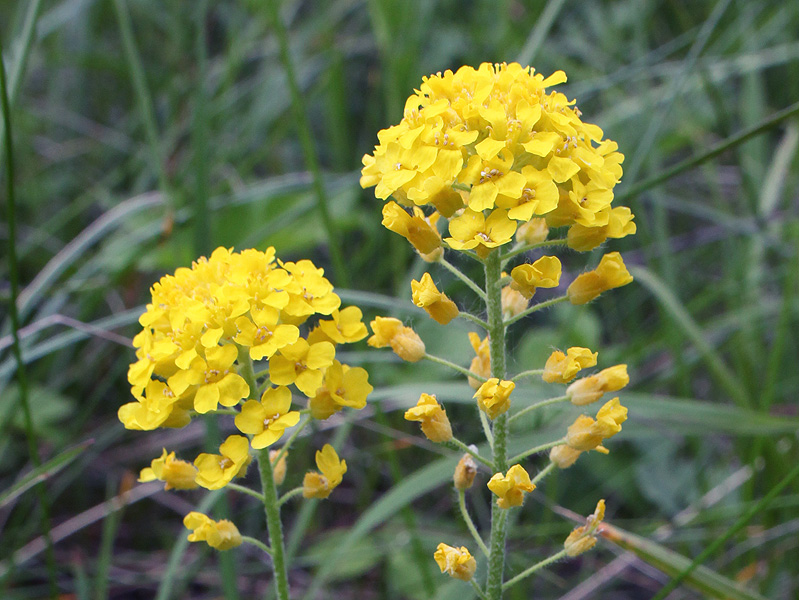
x=562 y=368
x=586 y=433
x=264 y=335
x=510 y=488
x=302 y=364
x=177 y=474
x=493 y=397
x=266 y=420
x=592 y=388
x=222 y=535
x=426 y=295
x=215 y=471
x=404 y=341
x=473 y=231
x=455 y=562
x=543 y=273
x=432 y=417
x=214 y=379
x=611 y=273
x=342 y=386
x=583 y=538
x=346 y=326
x=319 y=485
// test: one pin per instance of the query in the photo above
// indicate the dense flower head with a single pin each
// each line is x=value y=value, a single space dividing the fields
x=204 y=320
x=455 y=562
x=491 y=148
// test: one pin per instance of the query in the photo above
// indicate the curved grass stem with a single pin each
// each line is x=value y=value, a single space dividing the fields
x=462 y=276
x=257 y=543
x=452 y=365
x=537 y=405
x=245 y=490
x=536 y=450
x=536 y=567
x=535 y=308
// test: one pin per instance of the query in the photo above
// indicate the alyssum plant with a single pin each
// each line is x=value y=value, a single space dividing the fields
x=502 y=161
x=204 y=333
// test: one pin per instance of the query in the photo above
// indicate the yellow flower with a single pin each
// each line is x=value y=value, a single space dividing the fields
x=178 y=474
x=493 y=397
x=263 y=335
x=481 y=363
x=473 y=231
x=538 y=196
x=590 y=389
x=562 y=368
x=465 y=471
x=583 y=538
x=418 y=230
x=433 y=418
x=213 y=378
x=534 y=231
x=455 y=562
x=267 y=420
x=309 y=293
x=155 y=406
x=586 y=433
x=511 y=488
x=319 y=485
x=346 y=326
x=215 y=471
x=543 y=273
x=437 y=304
x=611 y=273
x=343 y=386
x=302 y=364
x=404 y=341
x=222 y=535
x=620 y=224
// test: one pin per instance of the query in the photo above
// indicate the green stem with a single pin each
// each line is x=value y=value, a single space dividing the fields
x=462 y=276
x=536 y=567
x=537 y=307
x=258 y=543
x=543 y=473
x=478 y=590
x=273 y=525
x=245 y=490
x=487 y=430
x=536 y=450
x=533 y=407
x=282 y=452
x=496 y=332
x=530 y=373
x=469 y=523
x=527 y=247
x=306 y=140
x=289 y=495
x=459 y=445
x=22 y=377
x=476 y=320
x=452 y=365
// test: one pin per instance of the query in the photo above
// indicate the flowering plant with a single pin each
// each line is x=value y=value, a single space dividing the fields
x=499 y=160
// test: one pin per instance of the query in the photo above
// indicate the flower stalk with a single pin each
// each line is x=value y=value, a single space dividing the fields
x=273 y=525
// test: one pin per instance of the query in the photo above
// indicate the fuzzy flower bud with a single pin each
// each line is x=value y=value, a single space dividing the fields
x=493 y=397
x=564 y=456
x=279 y=467
x=586 y=433
x=319 y=485
x=562 y=368
x=611 y=273
x=465 y=472
x=420 y=232
x=455 y=562
x=404 y=341
x=513 y=302
x=433 y=418
x=534 y=231
x=511 y=488
x=222 y=535
x=590 y=389
x=583 y=538
x=437 y=304
x=481 y=363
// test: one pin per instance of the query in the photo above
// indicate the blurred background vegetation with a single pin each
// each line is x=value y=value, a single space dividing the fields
x=147 y=132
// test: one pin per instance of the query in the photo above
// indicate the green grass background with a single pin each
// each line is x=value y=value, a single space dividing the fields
x=148 y=132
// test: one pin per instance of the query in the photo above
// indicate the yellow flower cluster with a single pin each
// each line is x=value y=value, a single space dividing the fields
x=489 y=149
x=203 y=319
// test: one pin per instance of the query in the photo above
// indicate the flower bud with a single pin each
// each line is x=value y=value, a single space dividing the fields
x=564 y=456
x=534 y=231
x=279 y=468
x=455 y=562
x=465 y=472
x=590 y=389
x=481 y=363
x=404 y=341
x=562 y=368
x=437 y=304
x=611 y=273
x=511 y=488
x=493 y=397
x=433 y=418
x=513 y=302
x=583 y=538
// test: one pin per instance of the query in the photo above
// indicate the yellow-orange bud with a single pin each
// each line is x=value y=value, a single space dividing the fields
x=493 y=397
x=465 y=471
x=404 y=341
x=455 y=562
x=437 y=304
x=279 y=467
x=432 y=417
x=611 y=273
